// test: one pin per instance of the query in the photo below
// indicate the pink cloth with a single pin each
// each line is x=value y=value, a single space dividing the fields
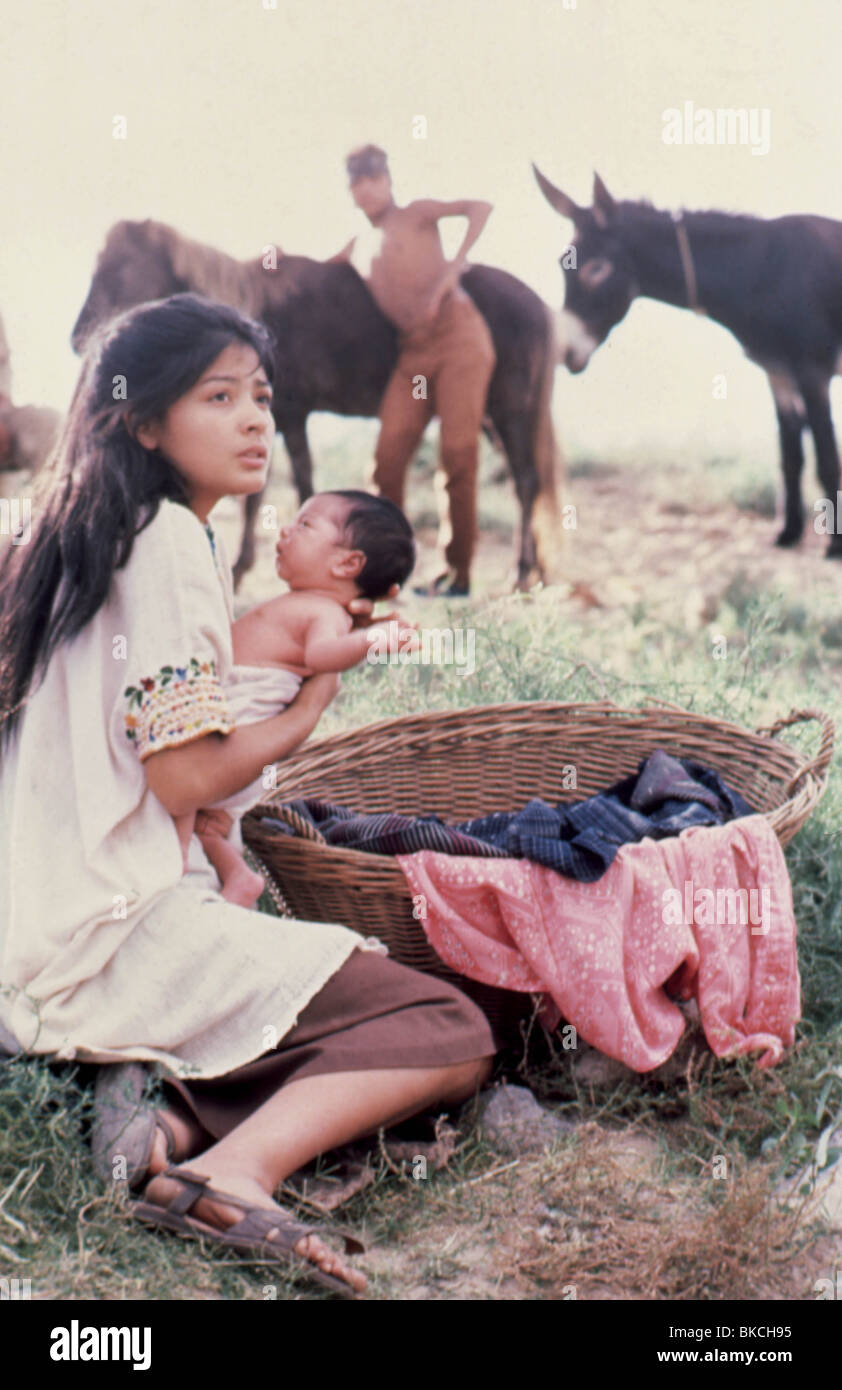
x=604 y=951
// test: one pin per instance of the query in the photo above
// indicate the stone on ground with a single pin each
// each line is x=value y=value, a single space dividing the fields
x=511 y=1119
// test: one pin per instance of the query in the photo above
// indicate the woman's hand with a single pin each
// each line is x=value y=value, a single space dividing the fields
x=317 y=692
x=362 y=612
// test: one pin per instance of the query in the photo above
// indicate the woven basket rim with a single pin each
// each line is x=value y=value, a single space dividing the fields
x=803 y=782
x=428 y=724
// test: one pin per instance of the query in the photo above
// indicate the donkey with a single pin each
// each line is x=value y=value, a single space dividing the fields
x=776 y=284
x=335 y=351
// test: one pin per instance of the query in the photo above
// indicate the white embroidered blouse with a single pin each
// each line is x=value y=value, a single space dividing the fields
x=107 y=951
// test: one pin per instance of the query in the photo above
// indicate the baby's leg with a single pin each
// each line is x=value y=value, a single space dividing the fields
x=240 y=884
x=185 y=826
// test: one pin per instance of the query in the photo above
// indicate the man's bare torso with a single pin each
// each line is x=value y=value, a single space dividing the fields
x=409 y=265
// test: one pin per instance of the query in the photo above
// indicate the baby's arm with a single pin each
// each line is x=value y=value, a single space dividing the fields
x=330 y=646
x=329 y=643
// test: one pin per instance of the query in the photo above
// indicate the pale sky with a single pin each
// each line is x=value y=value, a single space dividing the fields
x=239 y=115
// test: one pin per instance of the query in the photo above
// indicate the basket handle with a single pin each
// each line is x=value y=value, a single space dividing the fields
x=819 y=764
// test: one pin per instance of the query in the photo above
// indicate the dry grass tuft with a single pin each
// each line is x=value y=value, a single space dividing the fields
x=616 y=1227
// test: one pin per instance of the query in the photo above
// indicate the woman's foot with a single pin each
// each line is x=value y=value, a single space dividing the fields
x=217 y=1214
x=188 y=1138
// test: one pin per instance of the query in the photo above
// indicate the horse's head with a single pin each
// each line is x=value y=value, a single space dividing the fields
x=132 y=268
x=599 y=275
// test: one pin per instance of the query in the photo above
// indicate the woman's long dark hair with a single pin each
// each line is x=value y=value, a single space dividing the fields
x=100 y=487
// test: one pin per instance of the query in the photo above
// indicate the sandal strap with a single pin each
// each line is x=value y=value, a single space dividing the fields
x=193 y=1186
x=258 y=1221
x=285 y=1229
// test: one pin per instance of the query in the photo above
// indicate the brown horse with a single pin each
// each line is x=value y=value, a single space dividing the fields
x=335 y=352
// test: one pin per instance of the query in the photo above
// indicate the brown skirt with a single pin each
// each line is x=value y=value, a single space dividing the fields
x=372 y=1013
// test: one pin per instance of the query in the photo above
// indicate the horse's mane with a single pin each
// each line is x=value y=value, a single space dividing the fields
x=210 y=272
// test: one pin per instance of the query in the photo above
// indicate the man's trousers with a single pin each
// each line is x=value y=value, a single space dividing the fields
x=443 y=369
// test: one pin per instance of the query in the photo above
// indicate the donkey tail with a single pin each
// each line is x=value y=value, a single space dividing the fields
x=549 y=465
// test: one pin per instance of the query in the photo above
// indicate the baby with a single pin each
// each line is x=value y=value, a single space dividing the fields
x=342 y=545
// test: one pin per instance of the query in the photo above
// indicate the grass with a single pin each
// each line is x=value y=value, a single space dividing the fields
x=580 y=1215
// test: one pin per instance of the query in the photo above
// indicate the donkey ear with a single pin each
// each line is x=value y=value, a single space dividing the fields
x=604 y=206
x=344 y=254
x=563 y=205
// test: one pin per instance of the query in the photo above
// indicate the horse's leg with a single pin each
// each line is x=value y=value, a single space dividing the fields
x=789 y=408
x=816 y=392
x=515 y=430
x=245 y=559
x=301 y=462
x=295 y=438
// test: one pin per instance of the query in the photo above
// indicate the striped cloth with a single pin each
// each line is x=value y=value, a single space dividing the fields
x=578 y=839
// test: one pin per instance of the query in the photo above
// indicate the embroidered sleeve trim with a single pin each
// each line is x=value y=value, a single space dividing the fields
x=179 y=704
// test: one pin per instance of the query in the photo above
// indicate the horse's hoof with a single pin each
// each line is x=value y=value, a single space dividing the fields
x=834 y=548
x=789 y=536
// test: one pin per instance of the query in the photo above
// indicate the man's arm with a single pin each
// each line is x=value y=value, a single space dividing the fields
x=476 y=210
x=477 y=213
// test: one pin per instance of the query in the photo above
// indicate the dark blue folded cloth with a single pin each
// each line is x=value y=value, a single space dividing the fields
x=579 y=838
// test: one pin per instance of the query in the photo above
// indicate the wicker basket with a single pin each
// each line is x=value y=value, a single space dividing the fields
x=469 y=762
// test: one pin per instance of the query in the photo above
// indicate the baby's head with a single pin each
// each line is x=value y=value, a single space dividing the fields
x=348 y=542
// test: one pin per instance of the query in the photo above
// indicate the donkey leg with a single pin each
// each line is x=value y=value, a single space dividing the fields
x=816 y=392
x=514 y=429
x=789 y=408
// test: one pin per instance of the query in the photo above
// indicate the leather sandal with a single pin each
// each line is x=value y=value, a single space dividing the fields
x=125 y=1123
x=268 y=1233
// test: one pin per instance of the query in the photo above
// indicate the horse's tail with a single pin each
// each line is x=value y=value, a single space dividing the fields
x=549 y=464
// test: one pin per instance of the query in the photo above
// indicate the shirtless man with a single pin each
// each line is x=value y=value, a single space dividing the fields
x=443 y=338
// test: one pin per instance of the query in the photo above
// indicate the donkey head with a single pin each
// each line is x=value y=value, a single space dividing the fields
x=599 y=275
